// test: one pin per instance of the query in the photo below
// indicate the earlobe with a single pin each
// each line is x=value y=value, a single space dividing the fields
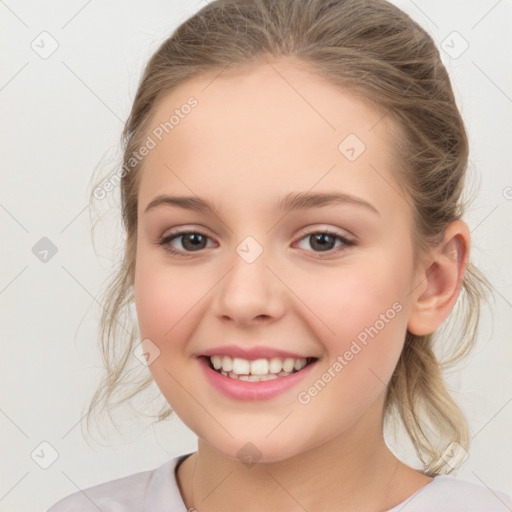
x=442 y=281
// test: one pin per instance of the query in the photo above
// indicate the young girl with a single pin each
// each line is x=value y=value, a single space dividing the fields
x=291 y=191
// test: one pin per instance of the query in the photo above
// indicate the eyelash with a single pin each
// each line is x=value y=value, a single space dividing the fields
x=165 y=242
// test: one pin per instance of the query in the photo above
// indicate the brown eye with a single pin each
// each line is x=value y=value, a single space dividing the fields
x=193 y=241
x=190 y=241
x=325 y=241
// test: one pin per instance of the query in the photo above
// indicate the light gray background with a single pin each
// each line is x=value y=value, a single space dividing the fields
x=61 y=120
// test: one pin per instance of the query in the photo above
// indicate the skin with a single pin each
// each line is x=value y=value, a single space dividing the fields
x=251 y=140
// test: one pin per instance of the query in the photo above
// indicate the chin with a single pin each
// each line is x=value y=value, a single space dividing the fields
x=255 y=449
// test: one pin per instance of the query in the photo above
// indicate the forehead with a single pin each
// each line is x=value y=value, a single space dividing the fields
x=264 y=128
x=282 y=97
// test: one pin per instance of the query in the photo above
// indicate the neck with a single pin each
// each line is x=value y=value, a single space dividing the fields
x=353 y=471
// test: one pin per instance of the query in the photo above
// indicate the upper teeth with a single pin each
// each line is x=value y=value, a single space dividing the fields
x=241 y=366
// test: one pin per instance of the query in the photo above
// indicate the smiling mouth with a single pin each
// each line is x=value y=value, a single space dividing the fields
x=257 y=370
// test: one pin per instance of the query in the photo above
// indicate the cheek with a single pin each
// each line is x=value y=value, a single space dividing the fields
x=166 y=303
x=369 y=325
x=153 y=302
x=164 y=297
x=364 y=312
x=347 y=301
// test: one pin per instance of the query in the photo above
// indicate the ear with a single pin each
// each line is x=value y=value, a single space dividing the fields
x=440 y=281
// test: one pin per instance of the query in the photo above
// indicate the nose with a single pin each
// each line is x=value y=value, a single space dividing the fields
x=250 y=293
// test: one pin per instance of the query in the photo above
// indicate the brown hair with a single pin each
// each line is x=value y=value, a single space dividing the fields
x=377 y=51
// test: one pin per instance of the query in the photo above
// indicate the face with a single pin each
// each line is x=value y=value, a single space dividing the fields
x=261 y=284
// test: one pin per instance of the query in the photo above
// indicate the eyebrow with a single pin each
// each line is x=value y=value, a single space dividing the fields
x=292 y=201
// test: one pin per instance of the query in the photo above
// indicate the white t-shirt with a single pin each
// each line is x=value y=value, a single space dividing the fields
x=157 y=491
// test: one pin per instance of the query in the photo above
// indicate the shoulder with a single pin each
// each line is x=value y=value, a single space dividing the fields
x=132 y=493
x=447 y=493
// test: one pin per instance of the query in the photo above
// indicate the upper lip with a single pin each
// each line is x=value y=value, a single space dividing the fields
x=251 y=353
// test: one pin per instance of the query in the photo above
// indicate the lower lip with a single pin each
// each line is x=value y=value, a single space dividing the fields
x=245 y=390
